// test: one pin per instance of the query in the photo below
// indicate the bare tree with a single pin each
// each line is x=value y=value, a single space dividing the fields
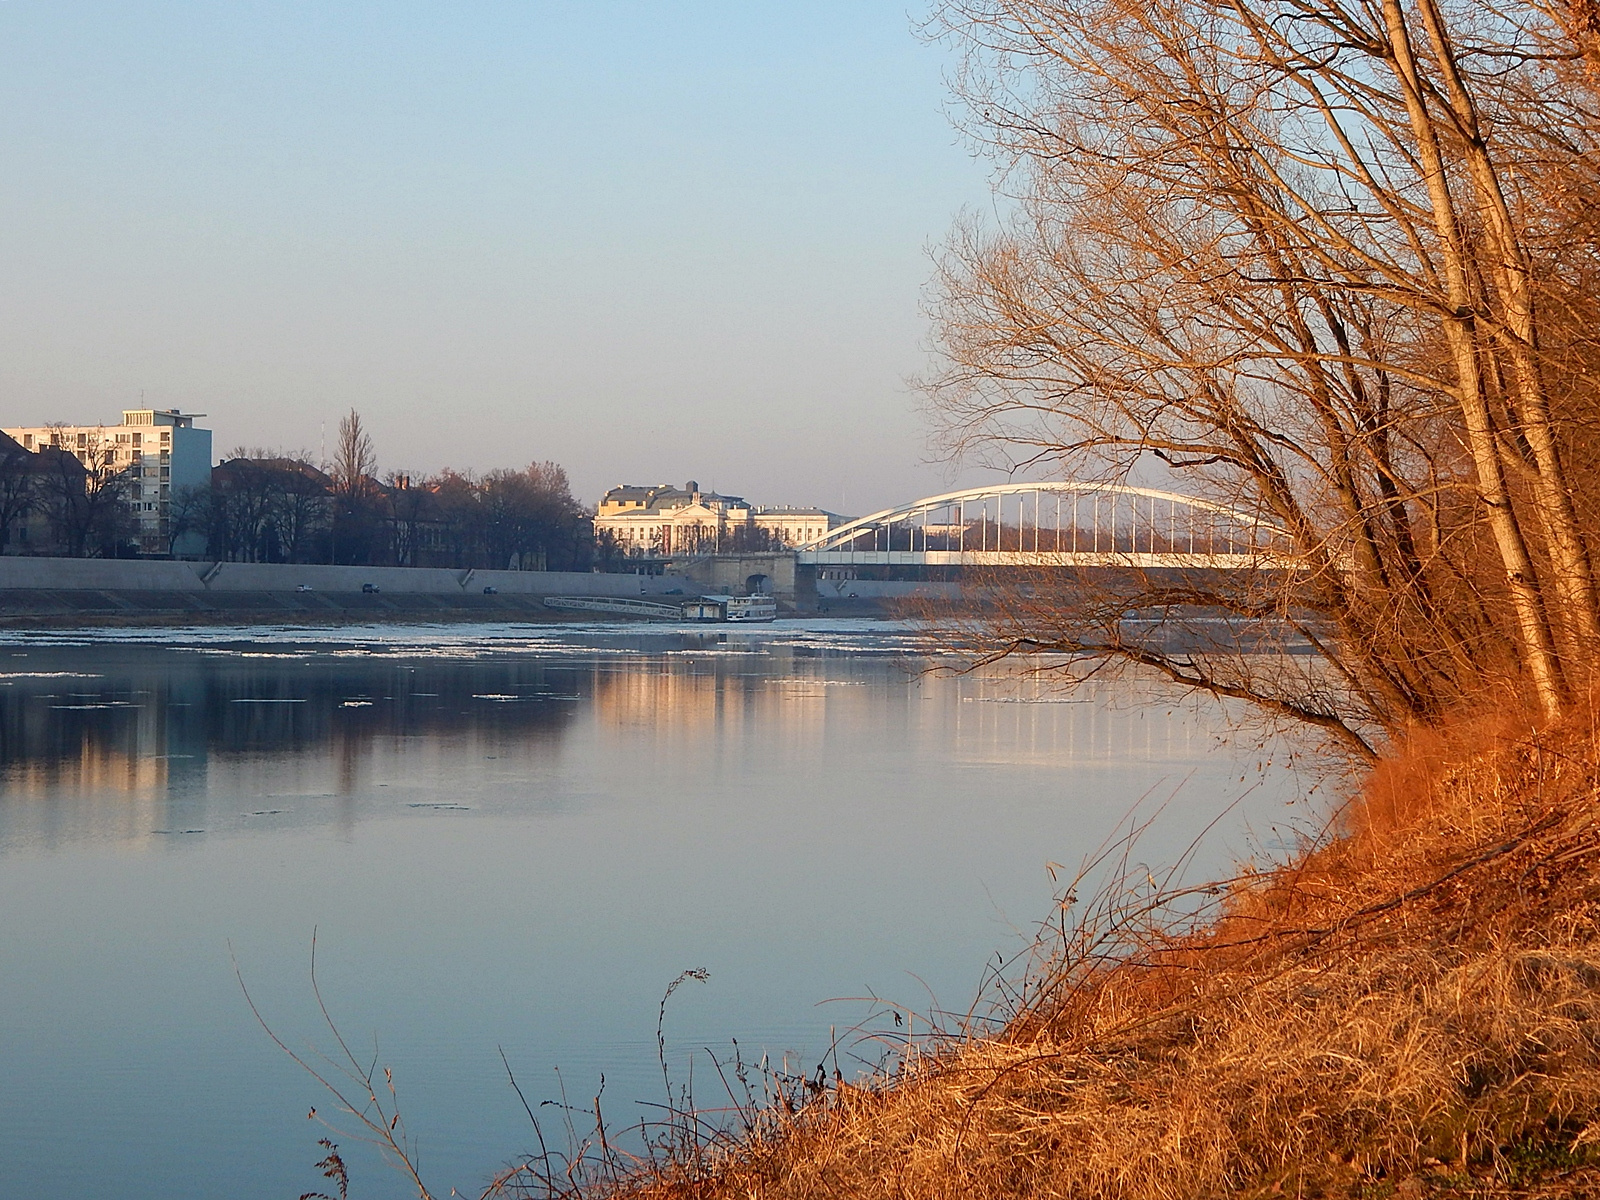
x=356 y=523
x=529 y=517
x=1289 y=255
x=189 y=512
x=408 y=508
x=242 y=491
x=302 y=514
x=84 y=491
x=355 y=462
x=18 y=476
x=269 y=506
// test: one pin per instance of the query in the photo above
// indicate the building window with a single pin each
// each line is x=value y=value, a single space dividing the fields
x=27 y=441
x=83 y=440
x=138 y=439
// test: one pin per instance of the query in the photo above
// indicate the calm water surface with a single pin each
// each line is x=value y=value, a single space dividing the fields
x=512 y=837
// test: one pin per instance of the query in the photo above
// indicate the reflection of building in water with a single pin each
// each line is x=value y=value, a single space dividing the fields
x=692 y=701
x=682 y=698
x=842 y=708
x=101 y=745
x=120 y=762
x=175 y=742
x=97 y=768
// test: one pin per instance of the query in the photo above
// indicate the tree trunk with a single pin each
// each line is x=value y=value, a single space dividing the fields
x=1538 y=644
x=1571 y=570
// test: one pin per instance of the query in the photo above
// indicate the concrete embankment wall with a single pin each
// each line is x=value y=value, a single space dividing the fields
x=56 y=591
x=62 y=591
x=71 y=574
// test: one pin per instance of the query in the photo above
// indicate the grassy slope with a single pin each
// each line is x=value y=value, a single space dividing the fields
x=1412 y=1008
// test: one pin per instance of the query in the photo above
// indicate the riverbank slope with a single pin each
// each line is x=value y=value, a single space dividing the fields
x=1411 y=1007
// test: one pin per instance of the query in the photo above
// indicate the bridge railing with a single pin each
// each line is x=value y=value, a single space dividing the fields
x=1065 y=524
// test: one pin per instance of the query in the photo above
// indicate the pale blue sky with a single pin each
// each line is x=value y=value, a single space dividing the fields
x=648 y=240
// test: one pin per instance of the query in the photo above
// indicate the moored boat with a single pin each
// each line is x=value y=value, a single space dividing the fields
x=731 y=608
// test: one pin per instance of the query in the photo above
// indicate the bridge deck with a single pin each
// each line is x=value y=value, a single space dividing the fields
x=1042 y=558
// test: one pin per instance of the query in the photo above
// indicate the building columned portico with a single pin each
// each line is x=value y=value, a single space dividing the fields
x=669 y=520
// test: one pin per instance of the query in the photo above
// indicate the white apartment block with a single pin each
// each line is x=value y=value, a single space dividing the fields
x=158 y=450
x=672 y=520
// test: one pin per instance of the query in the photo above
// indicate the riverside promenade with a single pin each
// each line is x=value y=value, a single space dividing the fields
x=53 y=591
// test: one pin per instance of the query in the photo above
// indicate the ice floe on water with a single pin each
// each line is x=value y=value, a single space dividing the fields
x=473 y=641
x=49 y=675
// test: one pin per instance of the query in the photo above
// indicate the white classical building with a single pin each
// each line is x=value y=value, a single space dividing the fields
x=671 y=520
x=158 y=451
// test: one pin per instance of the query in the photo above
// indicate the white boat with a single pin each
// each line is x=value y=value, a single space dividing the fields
x=731 y=608
x=750 y=608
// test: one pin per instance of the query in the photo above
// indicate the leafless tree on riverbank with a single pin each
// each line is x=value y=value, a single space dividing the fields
x=1331 y=262
x=82 y=488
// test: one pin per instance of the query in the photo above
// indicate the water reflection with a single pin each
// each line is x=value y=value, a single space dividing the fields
x=138 y=744
x=136 y=747
x=507 y=837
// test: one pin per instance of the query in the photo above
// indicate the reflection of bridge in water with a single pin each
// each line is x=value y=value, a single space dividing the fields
x=1066 y=524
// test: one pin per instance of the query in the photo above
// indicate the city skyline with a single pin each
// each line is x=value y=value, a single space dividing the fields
x=644 y=245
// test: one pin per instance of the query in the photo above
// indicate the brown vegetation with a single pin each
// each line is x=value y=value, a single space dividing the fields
x=1327 y=262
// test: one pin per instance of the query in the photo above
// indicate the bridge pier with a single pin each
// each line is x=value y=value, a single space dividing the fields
x=773 y=574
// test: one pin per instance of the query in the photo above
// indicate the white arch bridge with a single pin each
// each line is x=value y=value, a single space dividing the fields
x=1065 y=524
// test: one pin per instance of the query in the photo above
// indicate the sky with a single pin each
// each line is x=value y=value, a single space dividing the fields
x=649 y=241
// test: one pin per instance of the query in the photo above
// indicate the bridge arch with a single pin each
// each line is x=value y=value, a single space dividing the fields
x=1063 y=523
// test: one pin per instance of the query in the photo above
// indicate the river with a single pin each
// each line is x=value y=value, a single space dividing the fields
x=514 y=837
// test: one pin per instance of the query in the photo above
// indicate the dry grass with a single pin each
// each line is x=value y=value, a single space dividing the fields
x=1411 y=1007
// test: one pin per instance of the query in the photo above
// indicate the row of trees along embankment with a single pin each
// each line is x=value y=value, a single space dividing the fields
x=275 y=506
x=1334 y=262
x=280 y=506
